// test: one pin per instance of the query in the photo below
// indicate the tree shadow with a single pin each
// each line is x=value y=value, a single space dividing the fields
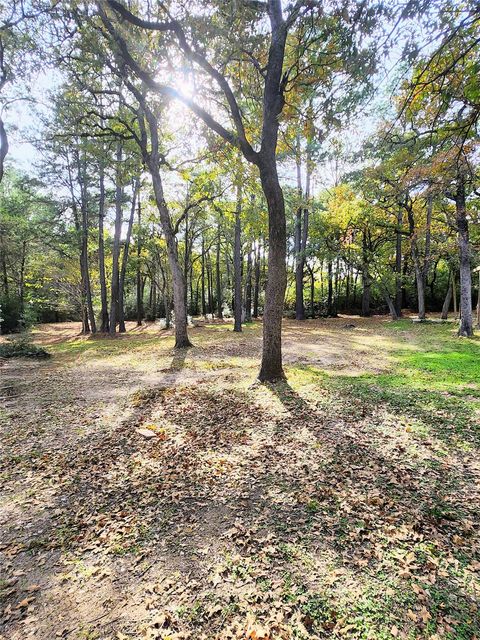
x=263 y=501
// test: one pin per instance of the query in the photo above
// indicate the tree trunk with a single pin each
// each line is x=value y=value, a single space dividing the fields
x=391 y=306
x=448 y=298
x=139 y=266
x=454 y=295
x=256 y=290
x=237 y=259
x=104 y=320
x=365 y=312
x=178 y=278
x=312 y=292
x=209 y=284
x=419 y=272
x=21 y=282
x=299 y=267
x=115 y=284
x=152 y=160
x=123 y=270
x=82 y=176
x=398 y=264
x=466 y=322
x=366 y=279
x=271 y=368
x=248 y=288
x=218 y=277
x=4 y=265
x=330 y=309
x=204 y=302
x=80 y=244
x=186 y=257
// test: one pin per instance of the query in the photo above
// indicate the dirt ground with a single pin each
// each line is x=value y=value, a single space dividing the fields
x=342 y=503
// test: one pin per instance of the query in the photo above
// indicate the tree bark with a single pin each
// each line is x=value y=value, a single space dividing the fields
x=3 y=147
x=398 y=264
x=123 y=270
x=448 y=298
x=178 y=278
x=391 y=306
x=204 y=302
x=152 y=160
x=330 y=308
x=466 y=322
x=312 y=292
x=115 y=283
x=237 y=259
x=299 y=260
x=104 y=319
x=82 y=176
x=256 y=290
x=248 y=288
x=218 y=277
x=419 y=271
x=366 y=279
x=4 y=266
x=271 y=367
x=140 y=312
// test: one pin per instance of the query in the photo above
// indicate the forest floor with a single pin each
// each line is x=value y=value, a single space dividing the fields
x=343 y=503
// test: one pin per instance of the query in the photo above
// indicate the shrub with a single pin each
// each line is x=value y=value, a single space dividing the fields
x=10 y=314
x=22 y=348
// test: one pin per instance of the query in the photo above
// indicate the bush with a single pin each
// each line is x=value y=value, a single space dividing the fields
x=10 y=314
x=22 y=348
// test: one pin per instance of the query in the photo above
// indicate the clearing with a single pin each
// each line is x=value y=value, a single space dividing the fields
x=340 y=504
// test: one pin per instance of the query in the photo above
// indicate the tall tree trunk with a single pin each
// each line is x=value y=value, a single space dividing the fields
x=312 y=291
x=271 y=368
x=104 y=320
x=366 y=280
x=398 y=264
x=204 y=302
x=237 y=258
x=80 y=245
x=152 y=159
x=466 y=322
x=178 y=278
x=454 y=296
x=209 y=285
x=391 y=306
x=3 y=140
x=82 y=176
x=419 y=272
x=115 y=284
x=299 y=267
x=186 y=257
x=123 y=270
x=256 y=290
x=218 y=277
x=299 y=262
x=347 y=287
x=448 y=298
x=21 y=282
x=140 y=312
x=330 y=308
x=3 y=255
x=248 y=288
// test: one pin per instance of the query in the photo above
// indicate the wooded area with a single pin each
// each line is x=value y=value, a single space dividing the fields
x=178 y=181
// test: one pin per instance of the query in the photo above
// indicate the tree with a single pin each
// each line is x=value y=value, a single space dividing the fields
x=275 y=80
